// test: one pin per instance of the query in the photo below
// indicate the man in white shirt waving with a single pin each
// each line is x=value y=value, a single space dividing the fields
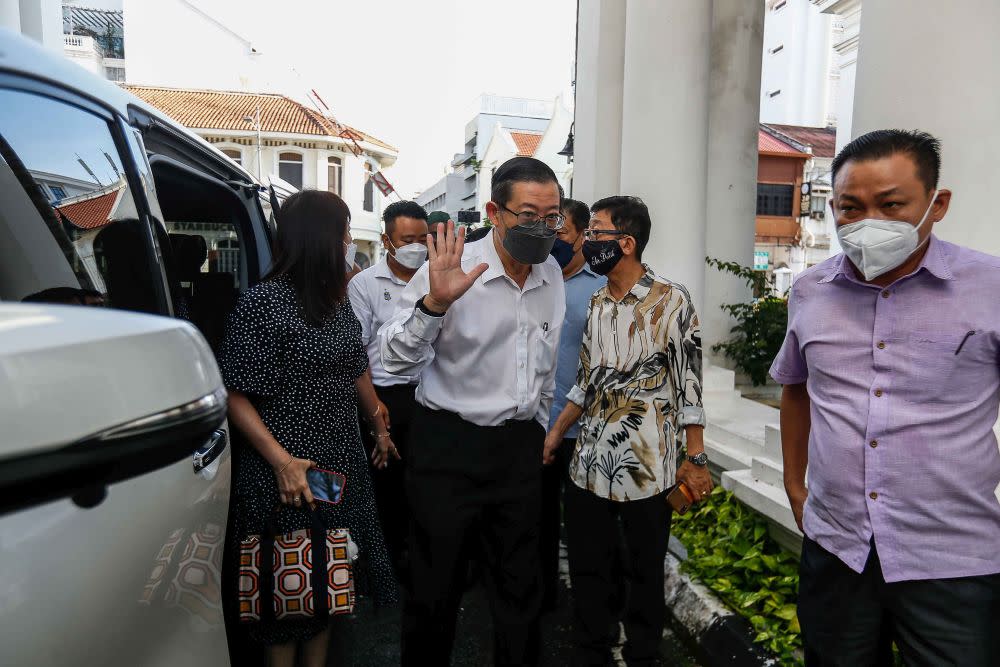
x=374 y=295
x=481 y=323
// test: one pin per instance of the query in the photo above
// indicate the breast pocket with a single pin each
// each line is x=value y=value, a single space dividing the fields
x=545 y=352
x=947 y=367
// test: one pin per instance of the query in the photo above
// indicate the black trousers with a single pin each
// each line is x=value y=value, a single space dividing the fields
x=611 y=584
x=472 y=488
x=390 y=496
x=553 y=481
x=852 y=619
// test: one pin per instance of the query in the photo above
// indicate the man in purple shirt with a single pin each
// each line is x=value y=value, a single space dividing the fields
x=891 y=389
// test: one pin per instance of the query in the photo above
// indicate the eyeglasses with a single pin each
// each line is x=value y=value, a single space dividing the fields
x=591 y=234
x=554 y=221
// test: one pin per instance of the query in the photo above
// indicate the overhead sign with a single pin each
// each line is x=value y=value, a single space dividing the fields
x=468 y=217
x=761 y=260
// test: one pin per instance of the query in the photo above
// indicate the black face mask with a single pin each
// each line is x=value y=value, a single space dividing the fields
x=529 y=244
x=603 y=256
x=563 y=252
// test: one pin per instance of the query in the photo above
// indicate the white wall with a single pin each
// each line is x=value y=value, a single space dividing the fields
x=500 y=149
x=41 y=20
x=801 y=69
x=554 y=140
x=939 y=75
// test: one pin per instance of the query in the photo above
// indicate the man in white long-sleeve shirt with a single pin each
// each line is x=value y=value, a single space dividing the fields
x=480 y=324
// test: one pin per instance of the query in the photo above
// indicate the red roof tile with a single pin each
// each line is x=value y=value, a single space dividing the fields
x=767 y=143
x=92 y=212
x=526 y=142
x=226 y=110
x=822 y=140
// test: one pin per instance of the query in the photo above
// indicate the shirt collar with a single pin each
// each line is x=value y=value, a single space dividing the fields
x=382 y=270
x=584 y=269
x=934 y=262
x=640 y=290
x=490 y=255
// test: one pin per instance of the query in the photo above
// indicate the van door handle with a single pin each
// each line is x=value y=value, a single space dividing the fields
x=211 y=450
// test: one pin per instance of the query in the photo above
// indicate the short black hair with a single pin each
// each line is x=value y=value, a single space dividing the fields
x=406 y=209
x=630 y=215
x=520 y=170
x=924 y=149
x=577 y=212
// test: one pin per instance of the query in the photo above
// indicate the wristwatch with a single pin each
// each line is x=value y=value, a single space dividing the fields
x=422 y=307
x=700 y=460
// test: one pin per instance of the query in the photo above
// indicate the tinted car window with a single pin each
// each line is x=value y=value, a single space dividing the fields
x=69 y=228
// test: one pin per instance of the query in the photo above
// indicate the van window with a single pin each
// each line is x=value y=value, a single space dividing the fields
x=70 y=231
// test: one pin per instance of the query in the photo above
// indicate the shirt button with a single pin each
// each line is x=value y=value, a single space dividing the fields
x=881 y=345
x=521 y=364
x=885 y=294
x=873 y=443
x=878 y=393
x=873 y=495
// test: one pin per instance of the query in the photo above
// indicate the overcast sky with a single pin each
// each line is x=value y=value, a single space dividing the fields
x=408 y=71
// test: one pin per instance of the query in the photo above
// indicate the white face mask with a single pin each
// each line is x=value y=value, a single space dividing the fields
x=352 y=250
x=411 y=255
x=879 y=246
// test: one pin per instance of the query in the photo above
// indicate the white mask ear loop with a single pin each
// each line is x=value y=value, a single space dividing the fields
x=927 y=214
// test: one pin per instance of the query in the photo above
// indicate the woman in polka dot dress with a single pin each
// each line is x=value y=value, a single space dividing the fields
x=296 y=371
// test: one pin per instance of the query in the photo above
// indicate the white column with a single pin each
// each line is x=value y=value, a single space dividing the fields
x=599 y=78
x=931 y=65
x=731 y=192
x=41 y=20
x=10 y=15
x=665 y=131
x=849 y=12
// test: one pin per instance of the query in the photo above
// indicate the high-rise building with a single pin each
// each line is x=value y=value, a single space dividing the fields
x=799 y=71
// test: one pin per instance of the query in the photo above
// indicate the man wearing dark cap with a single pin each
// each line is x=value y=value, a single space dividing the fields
x=480 y=324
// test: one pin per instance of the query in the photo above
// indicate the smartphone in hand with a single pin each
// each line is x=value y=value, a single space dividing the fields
x=680 y=498
x=327 y=486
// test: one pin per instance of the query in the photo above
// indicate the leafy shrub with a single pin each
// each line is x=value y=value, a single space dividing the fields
x=760 y=324
x=730 y=551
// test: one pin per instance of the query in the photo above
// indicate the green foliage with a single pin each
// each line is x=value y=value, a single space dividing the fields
x=760 y=324
x=731 y=552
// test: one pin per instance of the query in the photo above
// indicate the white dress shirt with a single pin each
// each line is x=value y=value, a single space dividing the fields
x=374 y=295
x=492 y=357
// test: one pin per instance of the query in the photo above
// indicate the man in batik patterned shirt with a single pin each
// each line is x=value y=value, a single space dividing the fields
x=637 y=388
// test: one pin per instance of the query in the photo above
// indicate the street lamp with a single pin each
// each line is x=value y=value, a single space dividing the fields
x=254 y=122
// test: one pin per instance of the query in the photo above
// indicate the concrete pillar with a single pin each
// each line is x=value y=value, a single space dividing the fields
x=665 y=131
x=41 y=20
x=931 y=65
x=731 y=192
x=10 y=15
x=599 y=78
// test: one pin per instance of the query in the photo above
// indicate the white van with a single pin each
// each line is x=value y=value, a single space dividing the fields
x=114 y=457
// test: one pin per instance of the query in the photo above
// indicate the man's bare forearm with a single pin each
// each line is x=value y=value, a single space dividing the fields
x=795 y=423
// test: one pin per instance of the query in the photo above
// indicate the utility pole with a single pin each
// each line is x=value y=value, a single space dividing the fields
x=255 y=121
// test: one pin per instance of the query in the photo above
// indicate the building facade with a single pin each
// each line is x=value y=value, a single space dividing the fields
x=95 y=40
x=296 y=148
x=793 y=196
x=489 y=112
x=799 y=73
